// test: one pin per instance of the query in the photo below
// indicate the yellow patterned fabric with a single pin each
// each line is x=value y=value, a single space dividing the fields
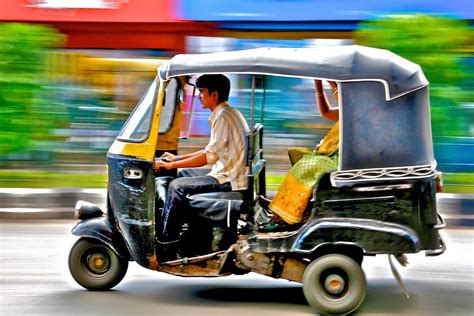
x=295 y=191
x=330 y=143
x=296 y=153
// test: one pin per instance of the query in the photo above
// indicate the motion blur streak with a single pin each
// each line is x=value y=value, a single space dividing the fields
x=66 y=89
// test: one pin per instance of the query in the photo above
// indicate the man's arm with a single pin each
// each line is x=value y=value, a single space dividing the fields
x=170 y=157
x=196 y=159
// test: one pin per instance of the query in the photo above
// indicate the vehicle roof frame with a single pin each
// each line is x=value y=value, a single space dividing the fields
x=338 y=63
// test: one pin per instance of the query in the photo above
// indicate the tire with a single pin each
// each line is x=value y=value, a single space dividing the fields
x=334 y=284
x=95 y=266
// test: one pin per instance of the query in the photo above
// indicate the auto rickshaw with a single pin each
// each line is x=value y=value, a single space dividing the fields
x=381 y=200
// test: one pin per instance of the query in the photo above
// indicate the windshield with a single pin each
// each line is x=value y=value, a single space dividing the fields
x=172 y=94
x=137 y=127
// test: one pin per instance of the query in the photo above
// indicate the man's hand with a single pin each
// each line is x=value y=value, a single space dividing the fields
x=168 y=157
x=162 y=163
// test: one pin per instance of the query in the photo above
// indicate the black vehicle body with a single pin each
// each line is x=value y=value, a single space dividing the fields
x=381 y=200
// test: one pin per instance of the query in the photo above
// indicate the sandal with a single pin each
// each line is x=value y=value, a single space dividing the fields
x=264 y=202
x=276 y=226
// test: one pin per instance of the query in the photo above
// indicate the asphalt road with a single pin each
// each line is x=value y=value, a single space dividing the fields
x=34 y=280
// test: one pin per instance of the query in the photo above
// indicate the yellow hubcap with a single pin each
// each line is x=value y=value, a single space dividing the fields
x=334 y=284
x=98 y=262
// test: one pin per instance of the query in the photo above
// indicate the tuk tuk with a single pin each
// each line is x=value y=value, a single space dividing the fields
x=380 y=200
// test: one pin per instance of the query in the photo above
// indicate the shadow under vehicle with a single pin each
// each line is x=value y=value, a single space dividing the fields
x=381 y=200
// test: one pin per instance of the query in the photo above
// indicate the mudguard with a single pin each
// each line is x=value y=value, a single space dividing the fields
x=100 y=228
x=372 y=236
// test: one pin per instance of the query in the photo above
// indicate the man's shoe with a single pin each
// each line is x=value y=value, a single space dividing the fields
x=169 y=257
x=167 y=251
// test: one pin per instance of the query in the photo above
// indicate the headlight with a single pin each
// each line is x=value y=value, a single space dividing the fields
x=85 y=210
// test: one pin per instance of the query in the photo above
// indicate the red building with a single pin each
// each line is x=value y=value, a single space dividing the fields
x=104 y=24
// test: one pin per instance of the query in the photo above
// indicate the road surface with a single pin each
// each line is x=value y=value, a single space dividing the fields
x=34 y=280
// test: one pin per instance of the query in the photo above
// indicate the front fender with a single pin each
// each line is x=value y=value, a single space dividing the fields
x=372 y=236
x=100 y=228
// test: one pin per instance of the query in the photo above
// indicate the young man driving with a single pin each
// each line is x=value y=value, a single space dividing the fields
x=225 y=152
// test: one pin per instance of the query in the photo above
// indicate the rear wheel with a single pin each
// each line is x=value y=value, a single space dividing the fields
x=334 y=284
x=95 y=266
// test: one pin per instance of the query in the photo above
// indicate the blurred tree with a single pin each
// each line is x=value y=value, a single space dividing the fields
x=27 y=113
x=437 y=45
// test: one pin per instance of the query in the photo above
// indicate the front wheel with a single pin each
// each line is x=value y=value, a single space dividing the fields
x=95 y=266
x=334 y=284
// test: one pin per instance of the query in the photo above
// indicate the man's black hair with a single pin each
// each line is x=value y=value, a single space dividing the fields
x=219 y=83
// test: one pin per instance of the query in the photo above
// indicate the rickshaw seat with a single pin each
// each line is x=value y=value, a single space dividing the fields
x=218 y=206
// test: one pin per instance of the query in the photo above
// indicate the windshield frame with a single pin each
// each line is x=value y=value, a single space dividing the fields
x=140 y=113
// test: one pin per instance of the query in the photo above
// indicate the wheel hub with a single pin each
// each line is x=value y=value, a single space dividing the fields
x=334 y=284
x=98 y=263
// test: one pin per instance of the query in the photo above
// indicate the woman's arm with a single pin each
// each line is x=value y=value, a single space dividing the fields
x=323 y=104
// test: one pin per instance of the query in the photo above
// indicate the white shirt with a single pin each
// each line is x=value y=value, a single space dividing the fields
x=226 y=147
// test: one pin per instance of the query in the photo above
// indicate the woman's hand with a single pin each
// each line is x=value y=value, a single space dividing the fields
x=319 y=145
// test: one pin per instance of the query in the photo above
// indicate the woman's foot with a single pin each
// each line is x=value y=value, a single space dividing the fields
x=277 y=225
x=264 y=202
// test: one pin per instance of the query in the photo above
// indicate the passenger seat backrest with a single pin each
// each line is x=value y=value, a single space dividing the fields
x=255 y=164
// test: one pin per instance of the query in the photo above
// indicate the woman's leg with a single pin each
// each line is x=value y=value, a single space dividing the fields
x=296 y=153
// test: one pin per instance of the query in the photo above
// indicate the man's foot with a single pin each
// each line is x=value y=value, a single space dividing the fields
x=168 y=251
x=170 y=255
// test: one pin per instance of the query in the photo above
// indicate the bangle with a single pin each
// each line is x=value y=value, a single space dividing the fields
x=319 y=94
x=176 y=158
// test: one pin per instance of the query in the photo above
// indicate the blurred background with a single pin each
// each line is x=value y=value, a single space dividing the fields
x=72 y=71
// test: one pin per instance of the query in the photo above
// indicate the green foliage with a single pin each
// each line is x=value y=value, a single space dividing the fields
x=435 y=43
x=42 y=179
x=26 y=113
x=458 y=182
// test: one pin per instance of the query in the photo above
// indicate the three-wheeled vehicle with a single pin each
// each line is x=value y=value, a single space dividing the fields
x=381 y=200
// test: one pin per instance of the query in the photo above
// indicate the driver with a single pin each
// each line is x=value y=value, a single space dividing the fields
x=225 y=151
